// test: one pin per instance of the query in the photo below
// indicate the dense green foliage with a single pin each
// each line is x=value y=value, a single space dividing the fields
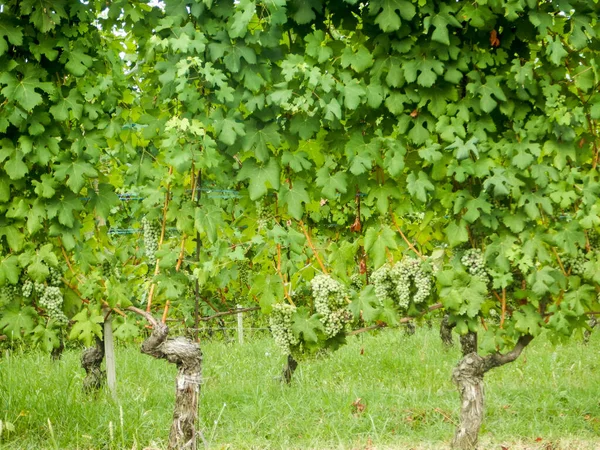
x=244 y=128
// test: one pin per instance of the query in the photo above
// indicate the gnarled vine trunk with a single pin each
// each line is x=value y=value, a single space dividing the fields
x=446 y=331
x=468 y=378
x=187 y=356
x=289 y=369
x=91 y=361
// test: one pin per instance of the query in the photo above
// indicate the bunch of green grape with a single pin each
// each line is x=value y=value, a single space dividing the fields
x=474 y=262
x=412 y=281
x=280 y=322
x=383 y=284
x=330 y=303
x=264 y=215
x=151 y=235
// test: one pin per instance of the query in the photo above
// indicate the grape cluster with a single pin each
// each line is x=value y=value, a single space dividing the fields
x=383 y=284
x=27 y=288
x=330 y=302
x=575 y=265
x=407 y=280
x=106 y=269
x=594 y=239
x=52 y=300
x=151 y=234
x=280 y=322
x=264 y=215
x=244 y=272
x=55 y=278
x=8 y=293
x=356 y=281
x=414 y=218
x=411 y=280
x=39 y=288
x=474 y=262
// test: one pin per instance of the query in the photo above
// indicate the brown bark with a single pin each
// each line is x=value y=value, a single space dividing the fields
x=446 y=331
x=468 y=343
x=289 y=369
x=187 y=356
x=91 y=361
x=468 y=378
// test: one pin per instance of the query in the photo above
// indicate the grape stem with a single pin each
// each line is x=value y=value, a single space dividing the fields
x=285 y=291
x=560 y=262
x=312 y=247
x=410 y=245
x=64 y=252
x=149 y=317
x=503 y=312
x=160 y=241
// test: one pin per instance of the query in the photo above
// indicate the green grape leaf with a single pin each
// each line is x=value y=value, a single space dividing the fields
x=377 y=241
x=419 y=186
x=87 y=327
x=305 y=326
x=17 y=321
x=9 y=270
x=294 y=197
x=46 y=337
x=331 y=184
x=209 y=220
x=388 y=20
x=365 y=305
x=77 y=172
x=262 y=177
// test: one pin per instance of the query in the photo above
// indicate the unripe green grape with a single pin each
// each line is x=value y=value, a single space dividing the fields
x=356 y=281
x=280 y=322
x=330 y=303
x=383 y=284
x=51 y=300
x=27 y=288
x=151 y=235
x=244 y=272
x=55 y=278
x=575 y=264
x=474 y=262
x=8 y=292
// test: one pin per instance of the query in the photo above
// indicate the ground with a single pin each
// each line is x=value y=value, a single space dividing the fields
x=381 y=391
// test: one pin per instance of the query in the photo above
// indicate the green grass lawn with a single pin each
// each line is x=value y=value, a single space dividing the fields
x=548 y=399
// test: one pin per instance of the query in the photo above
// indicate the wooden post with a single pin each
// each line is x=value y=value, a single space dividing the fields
x=240 y=330
x=109 y=352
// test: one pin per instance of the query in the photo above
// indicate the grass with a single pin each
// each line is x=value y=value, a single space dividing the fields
x=378 y=392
